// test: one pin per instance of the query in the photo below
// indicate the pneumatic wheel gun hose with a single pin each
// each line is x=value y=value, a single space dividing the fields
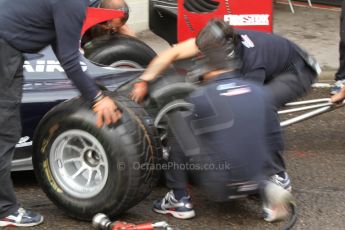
x=102 y=222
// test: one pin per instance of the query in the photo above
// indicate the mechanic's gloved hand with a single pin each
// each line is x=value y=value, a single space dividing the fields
x=139 y=91
x=106 y=110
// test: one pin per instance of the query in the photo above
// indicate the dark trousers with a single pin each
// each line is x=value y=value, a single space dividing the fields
x=11 y=77
x=176 y=178
x=340 y=74
x=285 y=88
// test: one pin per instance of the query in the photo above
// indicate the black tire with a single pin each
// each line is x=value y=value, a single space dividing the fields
x=119 y=51
x=165 y=89
x=133 y=140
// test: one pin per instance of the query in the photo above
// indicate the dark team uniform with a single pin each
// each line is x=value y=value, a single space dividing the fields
x=228 y=127
x=283 y=68
x=29 y=26
x=276 y=62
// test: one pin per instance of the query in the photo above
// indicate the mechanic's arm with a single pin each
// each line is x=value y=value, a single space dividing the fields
x=161 y=62
x=68 y=21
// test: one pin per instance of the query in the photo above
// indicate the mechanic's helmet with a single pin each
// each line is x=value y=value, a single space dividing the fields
x=217 y=41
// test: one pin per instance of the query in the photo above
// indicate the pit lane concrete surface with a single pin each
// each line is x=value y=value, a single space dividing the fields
x=315 y=153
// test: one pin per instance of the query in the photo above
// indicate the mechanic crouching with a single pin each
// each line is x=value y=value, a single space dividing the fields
x=283 y=68
x=28 y=27
x=230 y=127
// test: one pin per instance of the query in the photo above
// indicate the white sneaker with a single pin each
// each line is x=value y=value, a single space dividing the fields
x=276 y=202
x=21 y=218
x=181 y=209
x=282 y=180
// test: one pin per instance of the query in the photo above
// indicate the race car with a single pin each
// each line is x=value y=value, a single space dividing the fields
x=82 y=169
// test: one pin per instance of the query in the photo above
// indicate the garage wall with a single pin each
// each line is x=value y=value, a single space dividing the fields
x=139 y=14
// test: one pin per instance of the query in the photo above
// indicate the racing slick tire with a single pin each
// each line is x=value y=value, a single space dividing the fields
x=119 y=50
x=165 y=89
x=86 y=170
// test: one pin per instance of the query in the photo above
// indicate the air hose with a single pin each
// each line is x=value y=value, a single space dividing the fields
x=293 y=217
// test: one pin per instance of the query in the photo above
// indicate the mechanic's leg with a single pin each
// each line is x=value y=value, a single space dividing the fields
x=177 y=202
x=11 y=80
x=283 y=89
x=340 y=74
x=275 y=144
x=176 y=179
x=10 y=131
x=288 y=87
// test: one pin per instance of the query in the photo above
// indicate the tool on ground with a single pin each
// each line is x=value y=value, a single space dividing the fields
x=102 y=222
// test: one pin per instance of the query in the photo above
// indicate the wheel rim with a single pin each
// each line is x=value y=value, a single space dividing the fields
x=79 y=163
x=126 y=64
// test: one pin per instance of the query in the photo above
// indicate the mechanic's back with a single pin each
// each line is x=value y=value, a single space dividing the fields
x=32 y=25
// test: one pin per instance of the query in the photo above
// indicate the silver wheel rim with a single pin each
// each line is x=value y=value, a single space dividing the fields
x=126 y=64
x=79 y=163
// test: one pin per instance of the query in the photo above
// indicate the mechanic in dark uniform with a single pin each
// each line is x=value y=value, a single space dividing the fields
x=29 y=26
x=228 y=124
x=286 y=71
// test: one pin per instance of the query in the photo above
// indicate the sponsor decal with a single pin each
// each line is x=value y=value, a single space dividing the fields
x=50 y=177
x=46 y=66
x=229 y=86
x=235 y=92
x=247 y=42
x=24 y=142
x=226 y=86
x=46 y=140
x=247 y=19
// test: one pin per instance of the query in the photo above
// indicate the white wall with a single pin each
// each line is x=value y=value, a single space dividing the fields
x=139 y=14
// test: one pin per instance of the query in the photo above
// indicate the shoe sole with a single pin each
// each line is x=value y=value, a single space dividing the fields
x=10 y=224
x=179 y=215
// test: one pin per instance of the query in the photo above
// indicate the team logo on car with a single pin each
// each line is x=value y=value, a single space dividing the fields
x=46 y=66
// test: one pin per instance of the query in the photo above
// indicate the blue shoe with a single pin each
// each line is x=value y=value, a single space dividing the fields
x=282 y=179
x=21 y=218
x=337 y=87
x=181 y=209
